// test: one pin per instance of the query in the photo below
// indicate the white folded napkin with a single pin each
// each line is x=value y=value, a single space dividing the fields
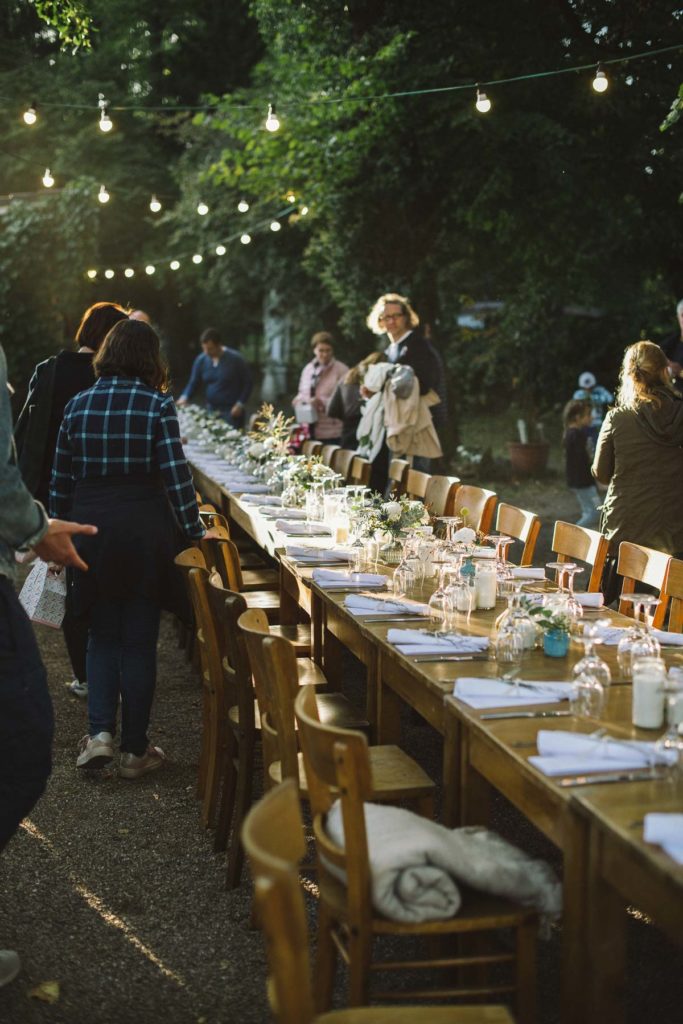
x=496 y=693
x=573 y=753
x=613 y=634
x=321 y=554
x=483 y=552
x=587 y=600
x=414 y=641
x=282 y=513
x=667 y=831
x=329 y=579
x=528 y=572
x=302 y=529
x=266 y=499
x=250 y=488
x=357 y=604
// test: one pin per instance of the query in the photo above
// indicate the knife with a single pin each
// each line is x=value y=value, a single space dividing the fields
x=392 y=618
x=450 y=657
x=524 y=714
x=639 y=775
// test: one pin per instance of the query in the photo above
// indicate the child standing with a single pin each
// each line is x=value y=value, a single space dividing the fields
x=577 y=420
x=599 y=399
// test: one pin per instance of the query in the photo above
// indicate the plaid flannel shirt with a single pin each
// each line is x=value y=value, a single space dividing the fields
x=122 y=426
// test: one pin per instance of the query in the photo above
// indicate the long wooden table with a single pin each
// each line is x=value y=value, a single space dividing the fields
x=598 y=830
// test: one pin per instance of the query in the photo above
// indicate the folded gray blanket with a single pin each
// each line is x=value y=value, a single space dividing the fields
x=416 y=864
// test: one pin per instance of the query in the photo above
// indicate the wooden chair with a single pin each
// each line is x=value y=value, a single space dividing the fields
x=439 y=497
x=416 y=483
x=326 y=453
x=273 y=838
x=578 y=543
x=341 y=461
x=398 y=469
x=480 y=505
x=522 y=525
x=638 y=564
x=674 y=590
x=360 y=471
x=255 y=575
x=311 y=448
x=337 y=765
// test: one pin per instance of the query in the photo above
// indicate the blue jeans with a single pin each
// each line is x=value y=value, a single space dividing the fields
x=26 y=720
x=588 y=499
x=122 y=659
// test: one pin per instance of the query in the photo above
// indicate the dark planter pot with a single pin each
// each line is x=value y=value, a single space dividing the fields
x=528 y=459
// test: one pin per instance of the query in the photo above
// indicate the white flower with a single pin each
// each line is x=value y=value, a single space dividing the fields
x=465 y=535
x=392 y=510
x=256 y=451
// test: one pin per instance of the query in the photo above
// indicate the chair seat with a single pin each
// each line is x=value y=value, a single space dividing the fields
x=299 y=635
x=395 y=775
x=267 y=601
x=259 y=579
x=418 y=1015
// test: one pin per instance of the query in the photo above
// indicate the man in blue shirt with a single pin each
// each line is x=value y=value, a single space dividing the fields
x=225 y=376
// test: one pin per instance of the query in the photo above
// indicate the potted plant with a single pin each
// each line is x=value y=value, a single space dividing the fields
x=556 y=626
x=529 y=454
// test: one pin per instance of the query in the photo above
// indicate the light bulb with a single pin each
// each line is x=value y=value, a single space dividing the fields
x=103 y=195
x=106 y=123
x=272 y=121
x=48 y=180
x=154 y=204
x=129 y=272
x=197 y=258
x=220 y=250
x=150 y=269
x=304 y=211
x=483 y=103
x=30 y=116
x=291 y=198
x=245 y=239
x=243 y=206
x=92 y=274
x=109 y=274
x=275 y=225
x=601 y=81
x=202 y=209
x=174 y=264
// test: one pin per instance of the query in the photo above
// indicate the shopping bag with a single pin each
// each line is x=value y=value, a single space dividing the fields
x=43 y=595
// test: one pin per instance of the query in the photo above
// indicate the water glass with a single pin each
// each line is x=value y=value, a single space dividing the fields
x=403 y=580
x=588 y=696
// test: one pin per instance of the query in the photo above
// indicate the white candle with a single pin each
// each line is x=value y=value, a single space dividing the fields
x=648 y=697
x=486 y=587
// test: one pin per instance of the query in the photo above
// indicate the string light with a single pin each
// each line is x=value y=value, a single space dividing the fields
x=106 y=123
x=275 y=225
x=304 y=211
x=129 y=272
x=154 y=204
x=291 y=198
x=30 y=115
x=109 y=274
x=245 y=239
x=174 y=264
x=272 y=120
x=243 y=206
x=92 y=274
x=103 y=195
x=220 y=250
x=483 y=103
x=197 y=258
x=601 y=81
x=150 y=269
x=202 y=209
x=48 y=180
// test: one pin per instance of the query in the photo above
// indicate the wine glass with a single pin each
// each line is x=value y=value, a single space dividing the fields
x=638 y=641
x=574 y=609
x=509 y=651
x=591 y=663
x=672 y=740
x=588 y=695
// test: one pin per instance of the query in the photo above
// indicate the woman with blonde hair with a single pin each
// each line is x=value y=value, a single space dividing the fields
x=639 y=455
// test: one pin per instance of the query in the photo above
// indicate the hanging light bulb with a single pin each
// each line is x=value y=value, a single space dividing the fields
x=220 y=250
x=245 y=239
x=92 y=274
x=275 y=225
x=304 y=211
x=48 y=180
x=106 y=123
x=197 y=258
x=272 y=120
x=129 y=272
x=483 y=103
x=202 y=209
x=154 y=204
x=109 y=274
x=30 y=115
x=243 y=206
x=150 y=269
x=291 y=198
x=174 y=264
x=103 y=195
x=601 y=81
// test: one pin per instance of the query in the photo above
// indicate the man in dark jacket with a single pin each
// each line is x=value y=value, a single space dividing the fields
x=226 y=378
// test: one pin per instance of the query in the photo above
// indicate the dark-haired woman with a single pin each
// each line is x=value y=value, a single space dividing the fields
x=53 y=383
x=119 y=464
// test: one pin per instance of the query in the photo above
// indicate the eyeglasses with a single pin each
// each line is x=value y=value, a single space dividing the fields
x=390 y=316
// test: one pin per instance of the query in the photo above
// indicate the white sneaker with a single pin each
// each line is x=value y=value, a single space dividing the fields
x=96 y=751
x=132 y=767
x=10 y=965
x=78 y=689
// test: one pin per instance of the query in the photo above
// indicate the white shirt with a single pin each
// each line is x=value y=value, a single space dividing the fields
x=394 y=346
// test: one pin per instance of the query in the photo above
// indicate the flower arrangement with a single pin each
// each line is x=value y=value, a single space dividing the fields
x=305 y=470
x=392 y=517
x=270 y=434
x=551 y=620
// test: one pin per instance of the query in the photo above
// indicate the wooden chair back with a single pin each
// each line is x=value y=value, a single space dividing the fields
x=326 y=453
x=212 y=518
x=360 y=471
x=223 y=556
x=341 y=461
x=190 y=558
x=254 y=627
x=674 y=590
x=578 y=543
x=398 y=469
x=311 y=448
x=273 y=839
x=522 y=525
x=480 y=505
x=439 y=497
x=416 y=484
x=638 y=564
x=226 y=608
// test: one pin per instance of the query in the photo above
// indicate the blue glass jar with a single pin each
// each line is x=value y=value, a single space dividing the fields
x=468 y=570
x=556 y=642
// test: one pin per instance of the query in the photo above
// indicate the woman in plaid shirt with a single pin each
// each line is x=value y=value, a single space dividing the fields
x=119 y=464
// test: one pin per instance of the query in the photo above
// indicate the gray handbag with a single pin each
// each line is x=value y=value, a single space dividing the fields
x=401 y=381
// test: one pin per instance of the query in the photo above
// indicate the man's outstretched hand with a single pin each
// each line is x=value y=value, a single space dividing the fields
x=57 y=545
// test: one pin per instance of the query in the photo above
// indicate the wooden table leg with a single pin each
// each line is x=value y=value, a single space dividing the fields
x=317 y=628
x=452 y=743
x=388 y=710
x=577 y=966
x=606 y=925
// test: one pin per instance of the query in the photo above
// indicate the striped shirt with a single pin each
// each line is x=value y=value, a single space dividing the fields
x=121 y=426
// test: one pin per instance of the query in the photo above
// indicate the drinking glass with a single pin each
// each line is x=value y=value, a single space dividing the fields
x=672 y=740
x=509 y=651
x=588 y=696
x=591 y=663
x=403 y=580
x=638 y=641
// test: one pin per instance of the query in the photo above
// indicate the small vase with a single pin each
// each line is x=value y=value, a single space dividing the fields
x=556 y=642
x=391 y=552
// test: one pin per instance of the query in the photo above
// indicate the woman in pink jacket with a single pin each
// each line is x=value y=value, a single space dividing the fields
x=317 y=384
